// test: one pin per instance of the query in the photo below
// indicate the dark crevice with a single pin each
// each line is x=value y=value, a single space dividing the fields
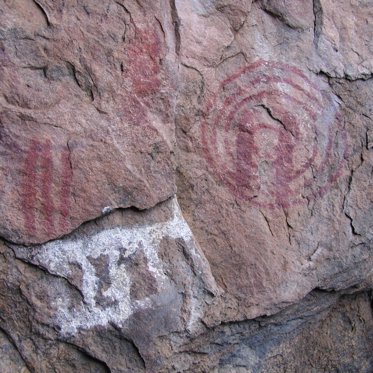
x=188 y=257
x=43 y=69
x=25 y=360
x=90 y=356
x=281 y=18
x=72 y=70
x=288 y=225
x=368 y=140
x=176 y=24
x=307 y=307
x=11 y=243
x=86 y=85
x=161 y=27
x=346 y=77
x=131 y=342
x=364 y=77
x=344 y=203
x=43 y=12
x=353 y=230
x=129 y=15
x=138 y=2
x=232 y=56
x=267 y=221
x=272 y=116
x=226 y=10
x=318 y=21
x=202 y=85
x=136 y=348
x=69 y=149
x=71 y=166
x=99 y=110
x=124 y=8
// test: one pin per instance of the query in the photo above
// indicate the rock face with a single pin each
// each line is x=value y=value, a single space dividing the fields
x=86 y=119
x=186 y=186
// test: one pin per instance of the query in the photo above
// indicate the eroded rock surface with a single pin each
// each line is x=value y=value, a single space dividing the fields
x=186 y=186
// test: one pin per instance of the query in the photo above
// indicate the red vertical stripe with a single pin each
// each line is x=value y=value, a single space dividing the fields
x=66 y=178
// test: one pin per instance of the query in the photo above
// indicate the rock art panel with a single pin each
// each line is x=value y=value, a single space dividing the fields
x=268 y=153
x=118 y=272
x=255 y=116
x=136 y=276
x=85 y=92
x=270 y=131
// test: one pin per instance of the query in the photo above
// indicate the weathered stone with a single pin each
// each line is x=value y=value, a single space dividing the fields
x=343 y=38
x=255 y=116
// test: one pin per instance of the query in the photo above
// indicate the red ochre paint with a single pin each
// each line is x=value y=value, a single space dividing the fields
x=143 y=68
x=141 y=71
x=66 y=178
x=233 y=125
x=42 y=195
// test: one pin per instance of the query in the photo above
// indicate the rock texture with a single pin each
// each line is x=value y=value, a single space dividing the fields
x=186 y=186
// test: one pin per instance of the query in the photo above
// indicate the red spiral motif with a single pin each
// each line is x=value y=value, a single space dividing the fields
x=272 y=135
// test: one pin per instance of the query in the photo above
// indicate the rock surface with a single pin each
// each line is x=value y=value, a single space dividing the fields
x=186 y=186
x=86 y=119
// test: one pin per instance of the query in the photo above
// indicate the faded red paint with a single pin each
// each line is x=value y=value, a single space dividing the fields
x=45 y=210
x=262 y=135
x=142 y=65
x=141 y=75
x=65 y=192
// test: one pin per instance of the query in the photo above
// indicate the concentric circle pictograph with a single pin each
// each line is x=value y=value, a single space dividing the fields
x=273 y=136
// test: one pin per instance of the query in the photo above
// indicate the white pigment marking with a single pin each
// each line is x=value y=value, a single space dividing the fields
x=58 y=256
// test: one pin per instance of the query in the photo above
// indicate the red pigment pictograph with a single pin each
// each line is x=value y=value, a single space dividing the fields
x=46 y=189
x=143 y=62
x=141 y=72
x=273 y=136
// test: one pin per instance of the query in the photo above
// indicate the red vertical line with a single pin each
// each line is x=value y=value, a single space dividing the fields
x=66 y=177
x=46 y=187
x=29 y=187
